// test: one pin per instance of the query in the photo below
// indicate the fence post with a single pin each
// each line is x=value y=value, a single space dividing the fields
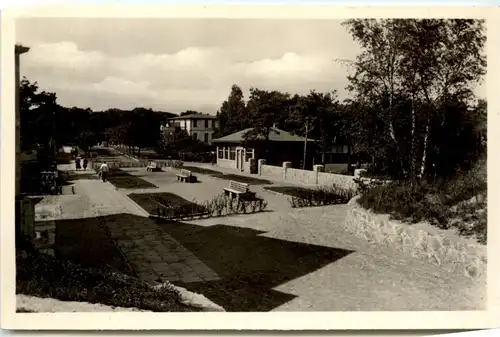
x=318 y=168
x=259 y=164
x=286 y=165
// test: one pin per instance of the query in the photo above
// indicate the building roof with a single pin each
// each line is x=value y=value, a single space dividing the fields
x=195 y=116
x=275 y=135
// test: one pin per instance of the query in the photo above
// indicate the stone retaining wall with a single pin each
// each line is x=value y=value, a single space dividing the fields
x=450 y=253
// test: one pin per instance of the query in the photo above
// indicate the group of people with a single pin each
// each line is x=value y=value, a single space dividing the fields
x=79 y=162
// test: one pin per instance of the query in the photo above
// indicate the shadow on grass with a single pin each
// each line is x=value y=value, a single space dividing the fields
x=87 y=241
x=249 y=265
x=122 y=179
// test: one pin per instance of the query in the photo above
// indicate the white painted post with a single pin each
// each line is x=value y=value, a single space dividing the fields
x=286 y=165
x=260 y=162
x=318 y=168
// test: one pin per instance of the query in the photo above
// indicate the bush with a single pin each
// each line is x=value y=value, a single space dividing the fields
x=46 y=276
x=459 y=203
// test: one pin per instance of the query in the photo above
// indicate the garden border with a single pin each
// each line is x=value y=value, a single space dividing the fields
x=451 y=254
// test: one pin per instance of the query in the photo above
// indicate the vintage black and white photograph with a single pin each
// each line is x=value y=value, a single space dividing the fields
x=250 y=164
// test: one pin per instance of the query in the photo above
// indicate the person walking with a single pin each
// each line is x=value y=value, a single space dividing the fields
x=85 y=163
x=104 y=169
x=77 y=163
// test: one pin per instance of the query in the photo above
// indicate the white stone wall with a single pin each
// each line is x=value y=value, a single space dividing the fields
x=300 y=176
x=226 y=163
x=273 y=172
x=305 y=177
x=340 y=180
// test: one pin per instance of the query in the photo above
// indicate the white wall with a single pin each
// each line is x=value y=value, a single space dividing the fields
x=199 y=129
x=306 y=177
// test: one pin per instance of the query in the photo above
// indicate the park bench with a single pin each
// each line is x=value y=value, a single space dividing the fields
x=186 y=176
x=239 y=190
x=153 y=167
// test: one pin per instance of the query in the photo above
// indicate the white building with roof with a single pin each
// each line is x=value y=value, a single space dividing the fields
x=199 y=126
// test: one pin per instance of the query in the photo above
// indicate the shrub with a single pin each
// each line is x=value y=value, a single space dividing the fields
x=46 y=276
x=458 y=202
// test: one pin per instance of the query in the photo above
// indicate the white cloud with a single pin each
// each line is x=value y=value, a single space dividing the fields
x=197 y=78
x=194 y=77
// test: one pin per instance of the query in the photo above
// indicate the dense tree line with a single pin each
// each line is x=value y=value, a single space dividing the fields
x=45 y=122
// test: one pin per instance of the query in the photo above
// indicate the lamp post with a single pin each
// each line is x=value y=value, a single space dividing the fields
x=21 y=231
x=19 y=49
x=308 y=118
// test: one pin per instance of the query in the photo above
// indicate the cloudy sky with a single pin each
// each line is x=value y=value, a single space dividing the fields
x=180 y=64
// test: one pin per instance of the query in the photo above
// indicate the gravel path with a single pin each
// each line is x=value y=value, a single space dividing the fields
x=366 y=278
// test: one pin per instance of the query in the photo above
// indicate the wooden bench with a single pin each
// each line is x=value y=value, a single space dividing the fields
x=238 y=190
x=153 y=167
x=186 y=176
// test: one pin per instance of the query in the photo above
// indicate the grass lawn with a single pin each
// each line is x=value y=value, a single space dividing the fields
x=105 y=152
x=221 y=175
x=292 y=191
x=122 y=179
x=176 y=205
x=244 y=179
x=202 y=170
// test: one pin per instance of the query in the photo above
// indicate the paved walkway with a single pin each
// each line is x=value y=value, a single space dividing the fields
x=153 y=255
x=284 y=260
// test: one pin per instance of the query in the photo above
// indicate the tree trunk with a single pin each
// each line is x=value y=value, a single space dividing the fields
x=323 y=152
x=424 y=153
x=349 y=158
x=393 y=136
x=413 y=155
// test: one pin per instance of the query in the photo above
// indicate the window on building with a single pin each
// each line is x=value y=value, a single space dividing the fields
x=194 y=123
x=195 y=136
x=206 y=137
x=206 y=124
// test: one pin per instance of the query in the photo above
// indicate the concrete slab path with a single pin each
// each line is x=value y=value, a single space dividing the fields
x=153 y=255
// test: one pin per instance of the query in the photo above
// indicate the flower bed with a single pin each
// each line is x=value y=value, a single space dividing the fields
x=305 y=197
x=171 y=206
